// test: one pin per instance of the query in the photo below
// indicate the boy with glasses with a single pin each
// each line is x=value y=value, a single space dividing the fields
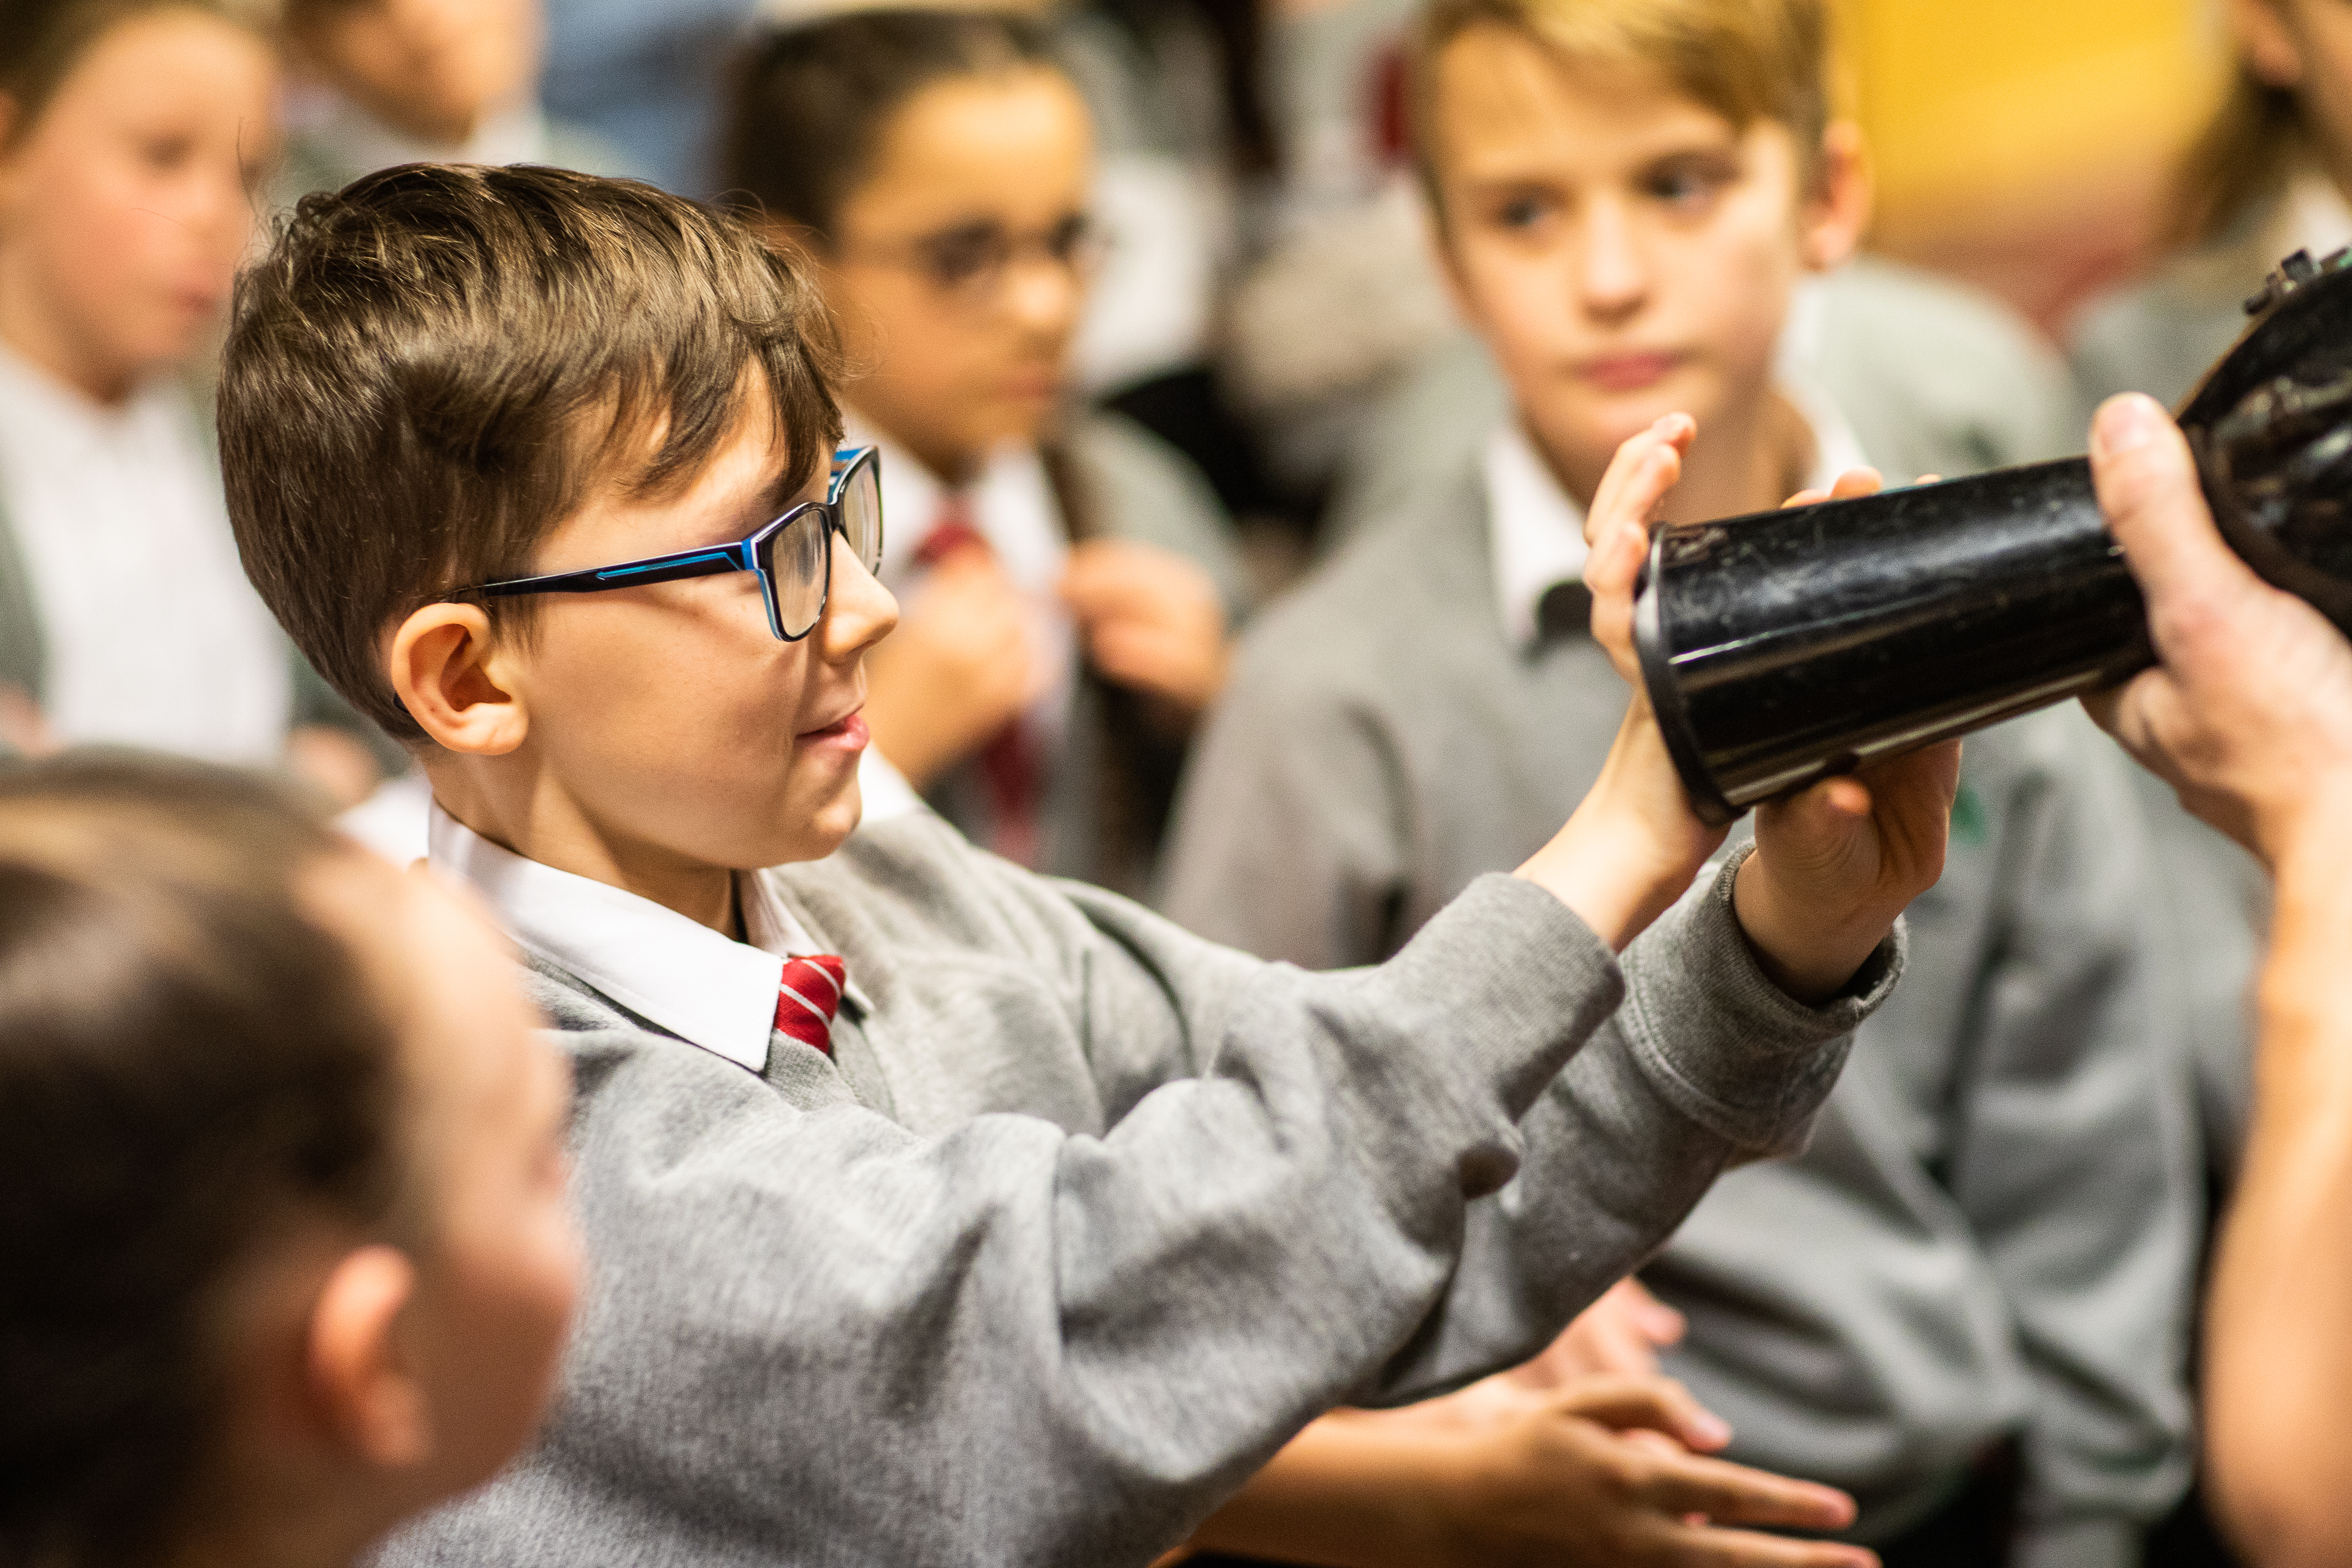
x=1987 y=1251
x=940 y=1212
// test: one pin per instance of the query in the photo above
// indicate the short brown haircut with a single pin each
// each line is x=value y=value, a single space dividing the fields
x=431 y=368
x=191 y=1066
x=1745 y=59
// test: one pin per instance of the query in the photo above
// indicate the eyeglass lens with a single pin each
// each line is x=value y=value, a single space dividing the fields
x=797 y=558
x=974 y=258
x=796 y=572
x=861 y=516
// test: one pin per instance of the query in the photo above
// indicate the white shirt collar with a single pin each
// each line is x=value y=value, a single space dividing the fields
x=700 y=986
x=1538 y=531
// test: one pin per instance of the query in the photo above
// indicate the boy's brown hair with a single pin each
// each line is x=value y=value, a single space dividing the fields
x=432 y=367
x=1745 y=59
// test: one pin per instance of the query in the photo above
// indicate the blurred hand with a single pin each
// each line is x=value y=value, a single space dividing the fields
x=2249 y=714
x=1619 y=1335
x=961 y=666
x=1151 y=621
x=23 y=727
x=1582 y=1476
x=1633 y=843
x=333 y=762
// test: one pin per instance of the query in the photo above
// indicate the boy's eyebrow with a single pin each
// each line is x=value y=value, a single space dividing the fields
x=771 y=501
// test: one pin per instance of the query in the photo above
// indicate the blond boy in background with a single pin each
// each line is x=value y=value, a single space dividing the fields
x=1964 y=1302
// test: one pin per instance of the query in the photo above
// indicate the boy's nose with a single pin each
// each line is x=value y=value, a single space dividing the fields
x=1612 y=275
x=858 y=610
x=1042 y=296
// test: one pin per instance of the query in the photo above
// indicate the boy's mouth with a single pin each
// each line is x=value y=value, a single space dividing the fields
x=1629 y=372
x=848 y=730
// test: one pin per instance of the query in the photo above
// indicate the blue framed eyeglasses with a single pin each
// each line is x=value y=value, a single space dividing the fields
x=791 y=555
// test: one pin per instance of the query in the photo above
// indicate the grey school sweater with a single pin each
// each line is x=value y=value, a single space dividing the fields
x=1991 y=1231
x=1087 y=1215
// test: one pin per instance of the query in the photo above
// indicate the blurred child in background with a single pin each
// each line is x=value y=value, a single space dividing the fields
x=2269 y=176
x=416 y=81
x=1966 y=1303
x=284 y=1253
x=132 y=134
x=1066 y=582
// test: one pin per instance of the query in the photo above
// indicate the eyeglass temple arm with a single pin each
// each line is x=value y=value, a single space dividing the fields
x=656 y=569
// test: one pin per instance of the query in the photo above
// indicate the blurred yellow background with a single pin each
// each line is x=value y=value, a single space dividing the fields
x=2025 y=144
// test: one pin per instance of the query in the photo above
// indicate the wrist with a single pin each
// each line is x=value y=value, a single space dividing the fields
x=1616 y=877
x=1808 y=958
x=2309 y=835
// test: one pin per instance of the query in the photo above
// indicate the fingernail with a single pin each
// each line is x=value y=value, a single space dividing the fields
x=2125 y=423
x=1710 y=1427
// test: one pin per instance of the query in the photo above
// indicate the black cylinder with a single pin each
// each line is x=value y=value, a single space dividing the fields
x=1785 y=647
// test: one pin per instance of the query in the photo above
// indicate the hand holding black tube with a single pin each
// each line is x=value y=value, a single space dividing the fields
x=2248 y=713
x=1834 y=864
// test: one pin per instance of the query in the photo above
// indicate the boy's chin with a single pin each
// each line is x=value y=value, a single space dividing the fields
x=830 y=825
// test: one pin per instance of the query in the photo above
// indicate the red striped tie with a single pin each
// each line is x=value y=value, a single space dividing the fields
x=812 y=991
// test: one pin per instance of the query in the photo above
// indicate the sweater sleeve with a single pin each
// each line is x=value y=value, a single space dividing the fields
x=1707 y=1064
x=2076 y=1166
x=813 y=1335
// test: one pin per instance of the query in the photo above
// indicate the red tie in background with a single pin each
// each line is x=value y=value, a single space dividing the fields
x=1008 y=762
x=810 y=997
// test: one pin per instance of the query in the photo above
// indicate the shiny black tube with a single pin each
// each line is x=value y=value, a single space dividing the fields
x=1786 y=647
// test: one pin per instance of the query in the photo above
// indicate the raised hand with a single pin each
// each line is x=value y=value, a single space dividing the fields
x=1151 y=620
x=1633 y=843
x=962 y=665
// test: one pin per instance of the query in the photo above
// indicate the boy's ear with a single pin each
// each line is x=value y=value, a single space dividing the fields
x=444 y=668
x=2269 y=46
x=1837 y=212
x=361 y=1386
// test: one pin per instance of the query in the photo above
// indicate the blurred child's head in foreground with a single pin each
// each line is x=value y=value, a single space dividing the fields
x=283 y=1254
x=1627 y=193
x=132 y=134
x=939 y=164
x=446 y=376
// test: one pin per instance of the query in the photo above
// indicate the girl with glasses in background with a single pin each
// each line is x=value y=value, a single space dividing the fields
x=1067 y=583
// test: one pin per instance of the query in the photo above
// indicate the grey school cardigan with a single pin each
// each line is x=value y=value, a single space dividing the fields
x=1089 y=1215
x=1991 y=1230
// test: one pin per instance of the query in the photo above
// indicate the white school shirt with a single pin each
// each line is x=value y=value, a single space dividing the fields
x=1539 y=532
x=1011 y=502
x=704 y=988
x=152 y=637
